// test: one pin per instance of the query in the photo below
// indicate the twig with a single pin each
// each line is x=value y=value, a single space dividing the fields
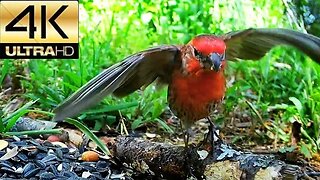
x=123 y=125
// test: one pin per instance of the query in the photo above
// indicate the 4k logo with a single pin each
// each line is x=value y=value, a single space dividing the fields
x=39 y=29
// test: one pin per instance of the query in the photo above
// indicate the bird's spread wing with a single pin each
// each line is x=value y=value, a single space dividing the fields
x=254 y=43
x=120 y=79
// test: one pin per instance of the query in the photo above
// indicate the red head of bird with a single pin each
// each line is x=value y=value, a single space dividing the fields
x=210 y=51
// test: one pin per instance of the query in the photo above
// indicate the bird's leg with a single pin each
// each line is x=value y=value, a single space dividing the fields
x=212 y=135
x=186 y=138
x=188 y=164
x=186 y=133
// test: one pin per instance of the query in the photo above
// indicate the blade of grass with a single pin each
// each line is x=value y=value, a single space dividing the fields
x=24 y=107
x=165 y=126
x=1 y=125
x=305 y=133
x=35 y=132
x=109 y=108
x=92 y=136
x=257 y=113
x=13 y=118
x=5 y=70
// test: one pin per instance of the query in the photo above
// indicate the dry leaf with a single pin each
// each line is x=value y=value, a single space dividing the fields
x=75 y=136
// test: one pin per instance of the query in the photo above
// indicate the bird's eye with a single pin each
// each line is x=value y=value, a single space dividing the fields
x=197 y=53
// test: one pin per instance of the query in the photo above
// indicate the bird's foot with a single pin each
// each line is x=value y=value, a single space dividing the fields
x=212 y=138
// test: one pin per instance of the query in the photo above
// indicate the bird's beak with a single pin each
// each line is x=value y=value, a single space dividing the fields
x=216 y=61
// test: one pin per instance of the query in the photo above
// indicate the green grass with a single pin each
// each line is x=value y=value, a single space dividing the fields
x=112 y=30
x=8 y=120
x=282 y=94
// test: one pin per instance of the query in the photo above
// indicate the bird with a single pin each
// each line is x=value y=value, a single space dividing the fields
x=194 y=72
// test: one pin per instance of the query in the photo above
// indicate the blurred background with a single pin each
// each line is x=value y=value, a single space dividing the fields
x=274 y=102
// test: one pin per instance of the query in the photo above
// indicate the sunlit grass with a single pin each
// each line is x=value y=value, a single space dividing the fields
x=112 y=30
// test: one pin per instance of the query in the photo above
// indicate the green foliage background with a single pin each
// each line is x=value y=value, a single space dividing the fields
x=283 y=87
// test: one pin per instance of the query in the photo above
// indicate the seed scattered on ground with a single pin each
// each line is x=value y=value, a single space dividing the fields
x=38 y=159
x=3 y=144
x=90 y=156
x=53 y=138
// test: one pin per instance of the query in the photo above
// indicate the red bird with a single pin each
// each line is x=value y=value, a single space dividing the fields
x=194 y=72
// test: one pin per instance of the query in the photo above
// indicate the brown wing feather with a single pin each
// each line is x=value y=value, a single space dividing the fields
x=123 y=78
x=255 y=43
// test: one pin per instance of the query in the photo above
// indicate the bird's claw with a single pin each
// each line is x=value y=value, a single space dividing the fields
x=212 y=137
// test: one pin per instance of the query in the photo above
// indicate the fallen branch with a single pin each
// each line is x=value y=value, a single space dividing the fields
x=223 y=162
